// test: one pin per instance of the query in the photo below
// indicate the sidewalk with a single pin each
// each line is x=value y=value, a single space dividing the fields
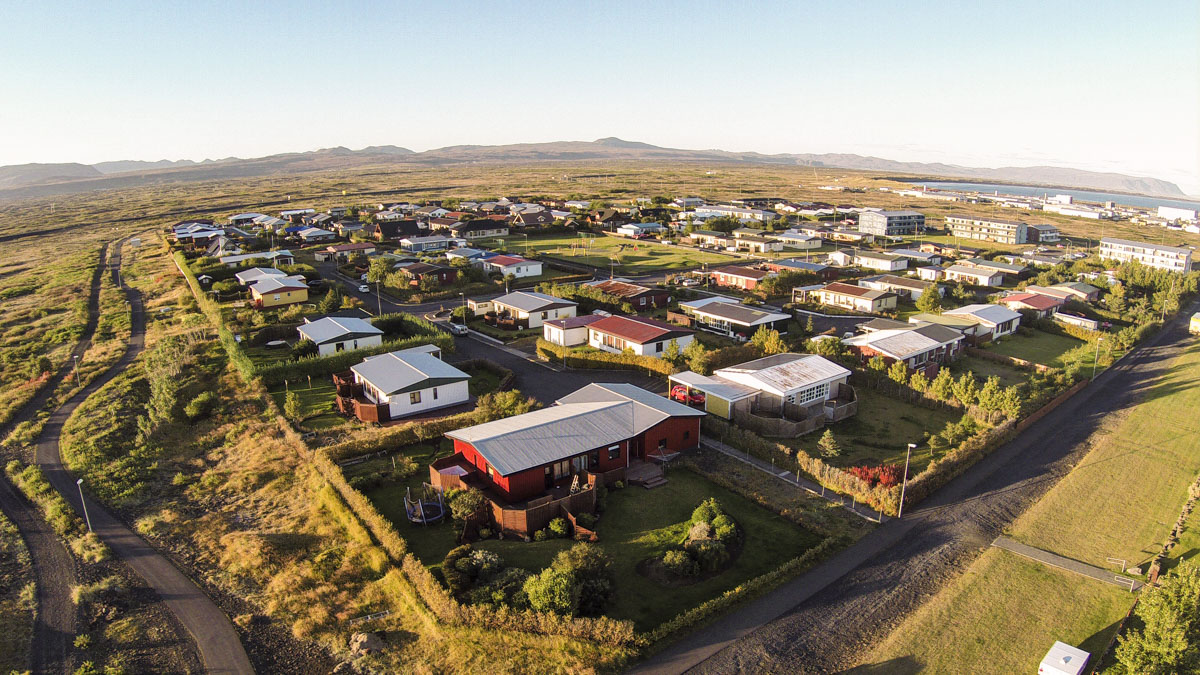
x=1062 y=563
x=860 y=510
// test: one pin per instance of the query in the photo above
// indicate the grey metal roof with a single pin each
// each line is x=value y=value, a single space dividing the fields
x=272 y=284
x=650 y=408
x=337 y=329
x=989 y=314
x=407 y=370
x=257 y=274
x=784 y=373
x=551 y=434
x=531 y=301
x=739 y=314
x=714 y=386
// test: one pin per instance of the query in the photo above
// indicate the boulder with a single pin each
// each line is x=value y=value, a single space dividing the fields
x=365 y=643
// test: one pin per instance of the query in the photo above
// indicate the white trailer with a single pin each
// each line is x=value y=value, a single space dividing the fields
x=1063 y=659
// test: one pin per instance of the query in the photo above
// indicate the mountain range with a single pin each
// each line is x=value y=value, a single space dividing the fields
x=36 y=180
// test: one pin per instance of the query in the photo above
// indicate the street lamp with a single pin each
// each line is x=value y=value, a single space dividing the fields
x=378 y=298
x=1096 y=359
x=904 y=485
x=526 y=243
x=76 y=357
x=464 y=299
x=79 y=484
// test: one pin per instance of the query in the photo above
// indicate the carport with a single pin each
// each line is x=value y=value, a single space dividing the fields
x=721 y=396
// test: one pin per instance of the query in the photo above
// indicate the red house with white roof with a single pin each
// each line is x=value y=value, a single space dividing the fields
x=737 y=276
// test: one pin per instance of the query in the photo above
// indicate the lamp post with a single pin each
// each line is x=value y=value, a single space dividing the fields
x=526 y=244
x=76 y=357
x=83 y=502
x=378 y=298
x=464 y=299
x=1096 y=359
x=904 y=485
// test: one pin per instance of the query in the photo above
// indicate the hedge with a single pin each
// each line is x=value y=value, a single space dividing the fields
x=693 y=617
x=573 y=358
x=954 y=462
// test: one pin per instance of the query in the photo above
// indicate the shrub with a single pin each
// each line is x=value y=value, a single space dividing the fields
x=200 y=406
x=586 y=520
x=706 y=511
x=465 y=503
x=558 y=527
x=541 y=535
x=679 y=563
x=485 y=533
x=711 y=555
x=456 y=579
x=553 y=590
x=620 y=485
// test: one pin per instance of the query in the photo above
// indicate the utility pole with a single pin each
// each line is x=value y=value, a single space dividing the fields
x=904 y=485
x=76 y=357
x=378 y=298
x=1096 y=359
x=83 y=502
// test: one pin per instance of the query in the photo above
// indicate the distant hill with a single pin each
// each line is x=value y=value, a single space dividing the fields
x=31 y=180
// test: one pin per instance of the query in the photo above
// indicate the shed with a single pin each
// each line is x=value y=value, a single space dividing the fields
x=1063 y=659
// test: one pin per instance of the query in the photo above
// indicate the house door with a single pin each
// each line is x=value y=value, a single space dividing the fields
x=635 y=448
x=549 y=478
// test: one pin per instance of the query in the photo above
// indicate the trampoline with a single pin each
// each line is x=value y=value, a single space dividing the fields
x=427 y=509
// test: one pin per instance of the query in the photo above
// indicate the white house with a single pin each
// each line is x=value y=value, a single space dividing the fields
x=644 y=337
x=884 y=262
x=570 y=331
x=336 y=334
x=410 y=381
x=973 y=275
x=255 y=274
x=999 y=319
x=514 y=265
x=526 y=307
x=804 y=380
x=799 y=240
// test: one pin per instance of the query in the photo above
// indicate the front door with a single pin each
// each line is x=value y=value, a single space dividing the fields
x=635 y=448
x=549 y=478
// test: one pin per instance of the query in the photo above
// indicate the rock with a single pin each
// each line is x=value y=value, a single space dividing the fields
x=365 y=643
x=1135 y=570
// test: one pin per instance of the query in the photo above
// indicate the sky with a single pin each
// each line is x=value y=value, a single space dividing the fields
x=1107 y=86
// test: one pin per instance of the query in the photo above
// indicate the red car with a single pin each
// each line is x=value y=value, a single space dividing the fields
x=680 y=393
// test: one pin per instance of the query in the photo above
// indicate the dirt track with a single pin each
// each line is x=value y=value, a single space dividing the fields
x=843 y=607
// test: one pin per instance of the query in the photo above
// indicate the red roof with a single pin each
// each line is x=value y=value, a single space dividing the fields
x=1033 y=300
x=350 y=247
x=575 y=321
x=637 y=329
x=506 y=260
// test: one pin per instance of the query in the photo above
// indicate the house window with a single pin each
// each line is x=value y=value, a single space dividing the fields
x=662 y=444
x=340 y=346
x=658 y=346
x=687 y=435
x=594 y=460
x=614 y=452
x=414 y=398
x=435 y=393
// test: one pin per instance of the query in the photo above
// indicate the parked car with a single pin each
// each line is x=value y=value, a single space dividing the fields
x=457 y=329
x=363 y=288
x=690 y=282
x=680 y=393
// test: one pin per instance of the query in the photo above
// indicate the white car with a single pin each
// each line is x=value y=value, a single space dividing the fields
x=457 y=328
x=363 y=288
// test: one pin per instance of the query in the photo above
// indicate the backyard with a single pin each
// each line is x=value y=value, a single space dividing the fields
x=637 y=524
x=984 y=368
x=880 y=432
x=1041 y=347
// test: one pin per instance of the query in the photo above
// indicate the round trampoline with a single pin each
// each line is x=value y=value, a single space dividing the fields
x=424 y=511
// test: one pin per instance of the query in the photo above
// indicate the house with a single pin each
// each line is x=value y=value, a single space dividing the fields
x=951 y=250
x=904 y=287
x=737 y=276
x=515 y=265
x=420 y=244
x=974 y=332
x=608 y=218
x=1007 y=269
x=711 y=238
x=346 y=228
x=473 y=255
x=1076 y=290
x=1042 y=234
x=840 y=258
x=916 y=257
x=856 y=298
x=343 y=252
x=720 y=315
x=283 y=257
x=923 y=347
x=638 y=296
x=419 y=273
x=637 y=229
x=569 y=332
x=241 y=219
x=645 y=337
x=480 y=228
x=1042 y=306
x=1000 y=321
x=401 y=383
x=312 y=235
x=390 y=230
x=742 y=213
x=598 y=430
x=431 y=211
x=335 y=334
x=799 y=240
x=317 y=219
x=988 y=229
x=526 y=309
x=891 y=223
x=1083 y=321
x=577 y=205
x=756 y=243
x=256 y=274
x=975 y=276
x=437 y=224
x=793 y=265
x=884 y=262
x=688 y=202
x=798 y=384
x=276 y=291
x=295 y=215
x=931 y=273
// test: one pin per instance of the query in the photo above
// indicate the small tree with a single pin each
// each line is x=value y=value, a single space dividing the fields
x=768 y=341
x=965 y=390
x=942 y=387
x=466 y=503
x=937 y=443
x=930 y=300
x=808 y=326
x=501 y=404
x=672 y=352
x=697 y=356
x=332 y=301
x=918 y=381
x=380 y=268
x=292 y=408
x=828 y=445
x=554 y=590
x=898 y=373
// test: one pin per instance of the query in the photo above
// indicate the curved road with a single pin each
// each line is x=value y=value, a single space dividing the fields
x=53 y=566
x=827 y=619
x=220 y=649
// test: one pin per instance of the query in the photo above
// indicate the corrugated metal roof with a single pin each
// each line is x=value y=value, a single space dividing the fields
x=898 y=343
x=530 y=301
x=714 y=386
x=739 y=314
x=333 y=329
x=404 y=370
x=258 y=273
x=272 y=284
x=649 y=408
x=639 y=330
x=783 y=374
x=989 y=314
x=551 y=434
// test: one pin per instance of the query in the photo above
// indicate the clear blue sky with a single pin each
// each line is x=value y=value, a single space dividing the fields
x=1098 y=85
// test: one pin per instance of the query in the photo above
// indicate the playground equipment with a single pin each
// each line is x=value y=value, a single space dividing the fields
x=427 y=509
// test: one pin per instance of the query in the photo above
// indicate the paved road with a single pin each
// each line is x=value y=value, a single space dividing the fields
x=220 y=649
x=1064 y=563
x=825 y=620
x=53 y=566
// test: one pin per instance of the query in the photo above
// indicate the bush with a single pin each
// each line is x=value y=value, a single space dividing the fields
x=465 y=503
x=711 y=555
x=485 y=533
x=679 y=563
x=541 y=535
x=586 y=520
x=706 y=511
x=558 y=528
x=554 y=590
x=591 y=358
x=200 y=406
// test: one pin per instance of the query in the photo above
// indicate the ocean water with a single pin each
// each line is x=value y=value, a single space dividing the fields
x=1079 y=195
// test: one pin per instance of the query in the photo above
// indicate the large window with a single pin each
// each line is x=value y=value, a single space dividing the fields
x=614 y=452
x=414 y=398
x=804 y=396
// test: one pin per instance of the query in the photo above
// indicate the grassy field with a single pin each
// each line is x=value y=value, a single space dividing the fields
x=17 y=604
x=317 y=402
x=629 y=257
x=1041 y=347
x=984 y=368
x=880 y=432
x=1119 y=502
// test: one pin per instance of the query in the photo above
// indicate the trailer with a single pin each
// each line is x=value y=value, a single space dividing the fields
x=1063 y=659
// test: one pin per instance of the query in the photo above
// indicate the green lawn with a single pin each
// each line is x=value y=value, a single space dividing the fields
x=984 y=368
x=483 y=381
x=637 y=524
x=320 y=409
x=632 y=257
x=880 y=432
x=1120 y=501
x=1041 y=347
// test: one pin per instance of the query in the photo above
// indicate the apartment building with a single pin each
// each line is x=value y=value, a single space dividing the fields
x=988 y=229
x=891 y=223
x=1171 y=258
